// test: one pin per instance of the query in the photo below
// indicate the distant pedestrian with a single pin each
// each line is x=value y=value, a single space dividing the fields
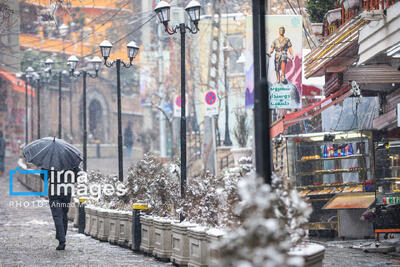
x=128 y=139
x=2 y=153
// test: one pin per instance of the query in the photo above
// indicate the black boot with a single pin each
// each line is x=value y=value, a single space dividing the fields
x=61 y=246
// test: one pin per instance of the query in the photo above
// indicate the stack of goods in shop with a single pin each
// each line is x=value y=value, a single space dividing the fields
x=391 y=200
x=332 y=188
x=337 y=150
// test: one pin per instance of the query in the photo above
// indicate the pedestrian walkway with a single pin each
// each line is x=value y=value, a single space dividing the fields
x=27 y=236
x=109 y=165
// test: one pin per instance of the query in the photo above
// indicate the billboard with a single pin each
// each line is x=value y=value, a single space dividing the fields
x=284 y=61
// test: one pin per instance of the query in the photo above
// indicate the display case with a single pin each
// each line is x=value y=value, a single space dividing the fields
x=386 y=216
x=327 y=164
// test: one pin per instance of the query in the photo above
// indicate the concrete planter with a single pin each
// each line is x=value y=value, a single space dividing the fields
x=240 y=152
x=163 y=238
x=103 y=224
x=129 y=234
x=147 y=243
x=213 y=254
x=123 y=229
x=180 y=242
x=198 y=247
x=313 y=254
x=76 y=215
x=88 y=213
x=93 y=222
x=114 y=227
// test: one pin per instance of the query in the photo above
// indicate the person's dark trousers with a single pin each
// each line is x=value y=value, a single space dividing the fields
x=59 y=211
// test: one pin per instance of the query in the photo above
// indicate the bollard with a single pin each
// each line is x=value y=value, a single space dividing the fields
x=81 y=216
x=98 y=150
x=138 y=208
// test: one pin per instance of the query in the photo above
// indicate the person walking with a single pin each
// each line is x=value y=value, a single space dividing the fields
x=61 y=160
x=128 y=139
x=60 y=188
x=2 y=153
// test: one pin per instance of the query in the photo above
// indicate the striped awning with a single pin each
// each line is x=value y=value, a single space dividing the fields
x=332 y=47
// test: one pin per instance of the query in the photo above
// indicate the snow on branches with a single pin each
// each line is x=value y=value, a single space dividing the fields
x=265 y=235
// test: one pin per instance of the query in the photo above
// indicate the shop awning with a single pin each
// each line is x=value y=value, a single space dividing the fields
x=350 y=201
x=306 y=113
x=332 y=47
x=17 y=84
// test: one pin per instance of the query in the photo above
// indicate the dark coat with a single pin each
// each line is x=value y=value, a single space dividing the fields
x=57 y=187
x=128 y=137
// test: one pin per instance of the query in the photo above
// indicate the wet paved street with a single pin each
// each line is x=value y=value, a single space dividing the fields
x=339 y=253
x=27 y=237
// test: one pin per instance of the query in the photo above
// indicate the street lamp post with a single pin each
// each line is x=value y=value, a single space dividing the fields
x=163 y=13
x=37 y=78
x=132 y=50
x=28 y=76
x=95 y=62
x=227 y=139
x=49 y=64
x=38 y=107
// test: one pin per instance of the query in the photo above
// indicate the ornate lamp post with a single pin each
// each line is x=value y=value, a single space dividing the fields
x=49 y=64
x=95 y=64
x=163 y=13
x=27 y=77
x=132 y=50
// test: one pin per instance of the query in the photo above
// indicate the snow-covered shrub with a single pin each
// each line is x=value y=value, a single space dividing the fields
x=229 y=198
x=201 y=204
x=293 y=210
x=149 y=181
x=96 y=184
x=263 y=238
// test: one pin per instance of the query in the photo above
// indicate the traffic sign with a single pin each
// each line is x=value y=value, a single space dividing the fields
x=211 y=103
x=177 y=106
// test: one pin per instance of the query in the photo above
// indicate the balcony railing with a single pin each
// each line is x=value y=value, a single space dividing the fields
x=350 y=8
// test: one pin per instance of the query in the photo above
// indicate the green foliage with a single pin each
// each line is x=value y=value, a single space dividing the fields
x=318 y=8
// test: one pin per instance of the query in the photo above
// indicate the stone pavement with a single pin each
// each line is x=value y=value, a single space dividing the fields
x=27 y=236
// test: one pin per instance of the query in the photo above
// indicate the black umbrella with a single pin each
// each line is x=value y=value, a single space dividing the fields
x=51 y=152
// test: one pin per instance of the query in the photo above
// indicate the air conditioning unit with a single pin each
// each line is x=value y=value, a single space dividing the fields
x=372 y=15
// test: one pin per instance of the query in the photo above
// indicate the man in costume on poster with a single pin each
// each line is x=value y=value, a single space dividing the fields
x=281 y=45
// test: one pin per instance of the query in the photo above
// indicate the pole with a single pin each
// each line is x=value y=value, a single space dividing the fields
x=59 y=105
x=261 y=99
x=32 y=121
x=84 y=123
x=70 y=109
x=120 y=158
x=38 y=109
x=26 y=111
x=163 y=139
x=227 y=139
x=183 y=110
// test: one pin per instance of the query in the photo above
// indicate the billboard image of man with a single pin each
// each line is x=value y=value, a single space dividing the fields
x=281 y=45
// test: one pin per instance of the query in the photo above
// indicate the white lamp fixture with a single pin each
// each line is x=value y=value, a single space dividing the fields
x=163 y=10
x=105 y=47
x=193 y=10
x=96 y=62
x=72 y=62
x=133 y=50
